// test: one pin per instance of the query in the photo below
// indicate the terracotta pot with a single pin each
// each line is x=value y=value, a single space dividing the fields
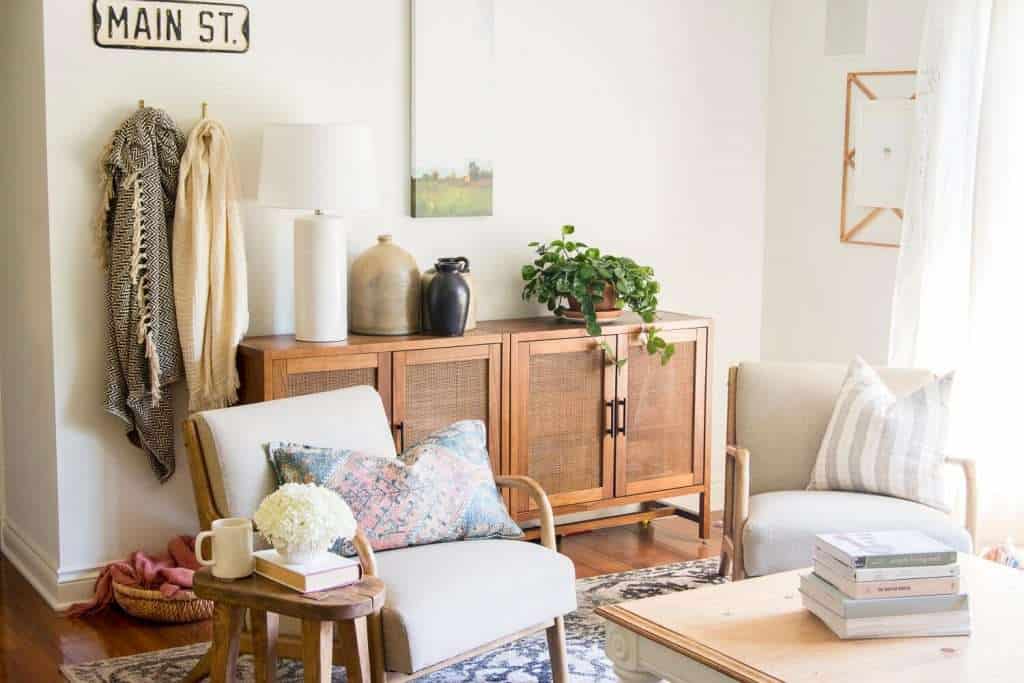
x=384 y=291
x=606 y=304
x=605 y=308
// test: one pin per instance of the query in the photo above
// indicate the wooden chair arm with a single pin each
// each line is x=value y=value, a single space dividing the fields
x=739 y=485
x=534 y=490
x=365 y=551
x=971 y=497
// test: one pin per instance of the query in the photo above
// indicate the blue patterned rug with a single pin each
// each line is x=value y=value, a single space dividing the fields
x=524 y=661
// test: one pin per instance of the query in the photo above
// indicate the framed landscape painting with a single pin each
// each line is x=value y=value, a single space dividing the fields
x=452 y=108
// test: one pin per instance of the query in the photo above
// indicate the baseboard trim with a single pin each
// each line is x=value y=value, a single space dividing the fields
x=30 y=562
x=59 y=589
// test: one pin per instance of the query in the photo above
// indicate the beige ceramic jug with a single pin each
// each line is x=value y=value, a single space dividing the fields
x=384 y=291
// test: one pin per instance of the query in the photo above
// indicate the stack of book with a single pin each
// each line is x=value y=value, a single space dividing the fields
x=886 y=584
x=326 y=571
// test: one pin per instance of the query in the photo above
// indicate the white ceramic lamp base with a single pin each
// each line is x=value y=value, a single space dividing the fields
x=321 y=277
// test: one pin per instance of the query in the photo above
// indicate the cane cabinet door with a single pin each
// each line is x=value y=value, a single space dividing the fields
x=300 y=376
x=433 y=388
x=561 y=423
x=660 y=420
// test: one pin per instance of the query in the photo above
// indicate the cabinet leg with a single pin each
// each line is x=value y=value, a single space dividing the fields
x=705 y=516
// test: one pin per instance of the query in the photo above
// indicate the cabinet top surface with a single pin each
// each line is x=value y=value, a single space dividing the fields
x=486 y=332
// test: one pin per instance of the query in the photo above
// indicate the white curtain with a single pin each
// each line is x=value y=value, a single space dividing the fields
x=959 y=298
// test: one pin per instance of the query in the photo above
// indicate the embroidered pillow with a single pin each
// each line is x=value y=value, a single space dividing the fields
x=441 y=489
x=877 y=442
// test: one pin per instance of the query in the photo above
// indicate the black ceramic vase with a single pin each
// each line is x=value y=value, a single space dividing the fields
x=448 y=300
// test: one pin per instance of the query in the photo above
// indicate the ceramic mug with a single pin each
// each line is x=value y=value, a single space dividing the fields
x=232 y=548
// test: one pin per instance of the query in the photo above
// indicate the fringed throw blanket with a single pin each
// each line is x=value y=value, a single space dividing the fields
x=210 y=287
x=140 y=171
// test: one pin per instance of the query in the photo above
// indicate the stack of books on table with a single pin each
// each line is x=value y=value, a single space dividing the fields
x=886 y=584
x=325 y=572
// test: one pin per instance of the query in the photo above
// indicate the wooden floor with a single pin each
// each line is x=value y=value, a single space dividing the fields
x=34 y=641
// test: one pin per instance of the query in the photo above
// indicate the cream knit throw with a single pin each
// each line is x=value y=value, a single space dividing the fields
x=210 y=287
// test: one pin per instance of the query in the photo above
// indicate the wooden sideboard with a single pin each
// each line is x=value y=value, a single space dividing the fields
x=595 y=436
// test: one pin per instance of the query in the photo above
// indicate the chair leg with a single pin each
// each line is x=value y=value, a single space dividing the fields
x=724 y=563
x=556 y=651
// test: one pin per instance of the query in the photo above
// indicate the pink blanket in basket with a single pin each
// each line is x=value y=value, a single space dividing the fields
x=167 y=573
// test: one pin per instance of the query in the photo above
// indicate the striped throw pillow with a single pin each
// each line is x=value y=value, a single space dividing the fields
x=877 y=442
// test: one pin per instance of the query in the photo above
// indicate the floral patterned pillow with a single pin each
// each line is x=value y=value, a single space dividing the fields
x=441 y=489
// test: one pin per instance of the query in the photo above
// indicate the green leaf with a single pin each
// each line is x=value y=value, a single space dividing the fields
x=593 y=253
x=529 y=272
x=568 y=229
x=533 y=244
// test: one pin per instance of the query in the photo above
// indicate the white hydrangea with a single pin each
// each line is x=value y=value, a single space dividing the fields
x=300 y=517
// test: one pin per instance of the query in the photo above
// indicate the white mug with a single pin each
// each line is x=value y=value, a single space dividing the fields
x=232 y=548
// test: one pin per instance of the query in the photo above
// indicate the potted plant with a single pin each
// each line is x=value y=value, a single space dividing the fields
x=571 y=277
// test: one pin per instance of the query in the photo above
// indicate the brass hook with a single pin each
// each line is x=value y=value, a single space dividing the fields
x=142 y=104
x=205 y=106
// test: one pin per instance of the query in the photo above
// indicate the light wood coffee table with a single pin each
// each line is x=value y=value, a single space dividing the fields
x=757 y=631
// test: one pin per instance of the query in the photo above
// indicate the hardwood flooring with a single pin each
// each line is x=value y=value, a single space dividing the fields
x=34 y=641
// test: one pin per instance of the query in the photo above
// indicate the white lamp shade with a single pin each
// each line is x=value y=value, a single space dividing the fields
x=329 y=167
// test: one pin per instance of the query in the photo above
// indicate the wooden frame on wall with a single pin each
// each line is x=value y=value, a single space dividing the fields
x=852 y=223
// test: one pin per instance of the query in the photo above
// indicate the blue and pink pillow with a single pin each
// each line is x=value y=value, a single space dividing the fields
x=441 y=489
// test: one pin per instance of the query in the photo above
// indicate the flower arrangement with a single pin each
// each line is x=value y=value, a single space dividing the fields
x=303 y=520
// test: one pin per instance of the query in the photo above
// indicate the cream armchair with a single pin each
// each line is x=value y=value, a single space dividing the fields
x=445 y=602
x=777 y=416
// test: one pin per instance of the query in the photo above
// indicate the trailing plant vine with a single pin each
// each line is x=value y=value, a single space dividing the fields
x=565 y=269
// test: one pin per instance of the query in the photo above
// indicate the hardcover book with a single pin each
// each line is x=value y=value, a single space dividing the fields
x=327 y=571
x=849 y=608
x=888 y=589
x=953 y=623
x=884 y=549
x=884 y=573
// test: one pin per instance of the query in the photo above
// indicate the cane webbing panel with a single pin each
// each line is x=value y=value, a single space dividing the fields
x=303 y=383
x=438 y=394
x=659 y=413
x=566 y=420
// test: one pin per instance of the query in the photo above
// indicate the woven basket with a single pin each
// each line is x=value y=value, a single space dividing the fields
x=151 y=605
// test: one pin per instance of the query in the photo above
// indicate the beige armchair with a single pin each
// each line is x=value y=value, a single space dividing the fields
x=445 y=602
x=777 y=416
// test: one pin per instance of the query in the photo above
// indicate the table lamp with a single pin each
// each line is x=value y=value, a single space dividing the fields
x=326 y=168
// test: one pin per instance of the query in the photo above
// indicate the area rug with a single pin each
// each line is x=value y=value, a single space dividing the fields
x=524 y=661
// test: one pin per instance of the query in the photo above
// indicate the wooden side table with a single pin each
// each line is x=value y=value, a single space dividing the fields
x=265 y=600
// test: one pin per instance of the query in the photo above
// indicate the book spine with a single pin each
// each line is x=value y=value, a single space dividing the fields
x=884 y=573
x=909 y=560
x=898 y=573
x=908 y=587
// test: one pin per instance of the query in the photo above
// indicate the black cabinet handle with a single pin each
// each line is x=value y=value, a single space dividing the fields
x=622 y=423
x=401 y=439
x=610 y=430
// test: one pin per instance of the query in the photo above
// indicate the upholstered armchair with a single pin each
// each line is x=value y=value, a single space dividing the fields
x=777 y=417
x=445 y=602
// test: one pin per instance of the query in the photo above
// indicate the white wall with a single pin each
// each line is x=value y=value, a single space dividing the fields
x=823 y=300
x=642 y=123
x=26 y=341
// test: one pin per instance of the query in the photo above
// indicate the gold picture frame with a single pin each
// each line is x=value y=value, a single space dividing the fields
x=853 y=219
